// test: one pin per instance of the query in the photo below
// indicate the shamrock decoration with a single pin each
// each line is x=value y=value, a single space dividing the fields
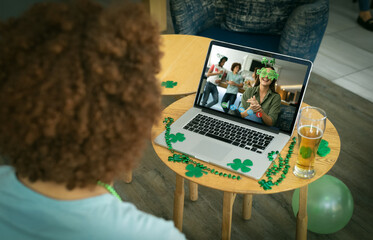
x=175 y=158
x=323 y=149
x=273 y=61
x=266 y=185
x=244 y=166
x=178 y=137
x=194 y=171
x=264 y=61
x=306 y=152
x=259 y=71
x=272 y=75
x=169 y=84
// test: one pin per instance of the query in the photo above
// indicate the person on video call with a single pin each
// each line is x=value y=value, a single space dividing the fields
x=78 y=97
x=214 y=76
x=234 y=81
x=263 y=99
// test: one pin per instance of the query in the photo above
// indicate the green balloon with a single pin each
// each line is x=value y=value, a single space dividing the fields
x=329 y=205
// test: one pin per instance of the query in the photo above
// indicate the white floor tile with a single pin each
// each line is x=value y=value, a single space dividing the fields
x=337 y=58
x=362 y=78
x=338 y=22
x=328 y=67
x=358 y=36
x=345 y=8
x=355 y=88
x=346 y=53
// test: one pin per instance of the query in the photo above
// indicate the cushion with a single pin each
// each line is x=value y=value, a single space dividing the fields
x=259 y=16
x=303 y=33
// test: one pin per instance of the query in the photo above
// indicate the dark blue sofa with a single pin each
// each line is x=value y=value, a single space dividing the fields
x=292 y=27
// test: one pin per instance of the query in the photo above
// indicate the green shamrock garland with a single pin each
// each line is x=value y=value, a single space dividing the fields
x=185 y=159
x=169 y=84
x=195 y=169
x=283 y=165
x=244 y=166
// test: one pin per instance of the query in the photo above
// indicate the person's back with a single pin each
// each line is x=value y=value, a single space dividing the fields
x=26 y=214
x=78 y=98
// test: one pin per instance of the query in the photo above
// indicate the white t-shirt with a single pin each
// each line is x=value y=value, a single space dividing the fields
x=25 y=214
x=214 y=69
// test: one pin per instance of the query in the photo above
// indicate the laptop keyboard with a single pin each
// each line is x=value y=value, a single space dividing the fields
x=229 y=133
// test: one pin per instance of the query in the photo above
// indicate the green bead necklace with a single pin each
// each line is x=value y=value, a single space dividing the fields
x=110 y=189
x=185 y=159
x=283 y=165
x=265 y=184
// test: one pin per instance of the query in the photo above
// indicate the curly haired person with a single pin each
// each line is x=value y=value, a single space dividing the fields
x=78 y=97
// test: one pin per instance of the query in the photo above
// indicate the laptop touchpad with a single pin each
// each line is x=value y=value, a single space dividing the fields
x=211 y=150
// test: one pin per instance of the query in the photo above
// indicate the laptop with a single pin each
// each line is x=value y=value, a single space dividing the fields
x=218 y=135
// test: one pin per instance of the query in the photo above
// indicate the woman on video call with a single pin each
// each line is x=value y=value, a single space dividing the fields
x=263 y=99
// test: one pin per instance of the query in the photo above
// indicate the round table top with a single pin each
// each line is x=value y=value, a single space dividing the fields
x=183 y=61
x=245 y=185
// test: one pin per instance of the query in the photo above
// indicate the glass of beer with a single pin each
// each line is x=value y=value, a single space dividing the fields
x=311 y=127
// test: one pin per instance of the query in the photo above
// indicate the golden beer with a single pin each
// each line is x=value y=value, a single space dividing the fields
x=311 y=127
x=308 y=142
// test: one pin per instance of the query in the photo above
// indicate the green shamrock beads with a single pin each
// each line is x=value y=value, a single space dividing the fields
x=244 y=166
x=169 y=84
x=283 y=165
x=199 y=168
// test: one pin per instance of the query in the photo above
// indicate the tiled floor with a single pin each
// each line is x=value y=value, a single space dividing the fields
x=345 y=56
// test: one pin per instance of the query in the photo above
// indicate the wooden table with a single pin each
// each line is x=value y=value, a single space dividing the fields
x=245 y=186
x=183 y=61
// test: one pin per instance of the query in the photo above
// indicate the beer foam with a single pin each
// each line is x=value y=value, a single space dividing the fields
x=319 y=130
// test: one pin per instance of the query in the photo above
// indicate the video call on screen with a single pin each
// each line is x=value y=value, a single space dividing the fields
x=219 y=96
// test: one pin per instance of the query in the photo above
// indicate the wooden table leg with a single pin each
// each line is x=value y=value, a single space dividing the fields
x=302 y=218
x=127 y=176
x=228 y=201
x=179 y=202
x=247 y=206
x=193 y=191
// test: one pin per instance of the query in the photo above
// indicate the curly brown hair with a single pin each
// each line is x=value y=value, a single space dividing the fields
x=234 y=65
x=78 y=92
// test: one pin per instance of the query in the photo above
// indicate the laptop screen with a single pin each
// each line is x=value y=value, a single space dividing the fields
x=256 y=86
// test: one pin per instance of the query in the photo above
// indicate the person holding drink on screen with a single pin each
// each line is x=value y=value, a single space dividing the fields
x=311 y=128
